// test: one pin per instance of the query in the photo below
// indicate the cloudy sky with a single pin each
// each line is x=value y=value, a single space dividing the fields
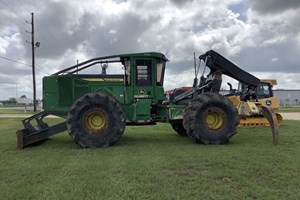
x=262 y=37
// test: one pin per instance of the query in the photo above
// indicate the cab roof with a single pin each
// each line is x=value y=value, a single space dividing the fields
x=145 y=54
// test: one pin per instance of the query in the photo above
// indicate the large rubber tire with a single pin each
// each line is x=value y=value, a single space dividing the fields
x=96 y=120
x=178 y=127
x=211 y=119
x=177 y=124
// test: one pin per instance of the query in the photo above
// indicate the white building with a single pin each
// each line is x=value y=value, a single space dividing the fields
x=24 y=101
x=288 y=97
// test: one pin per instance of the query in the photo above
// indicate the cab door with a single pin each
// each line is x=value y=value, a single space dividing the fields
x=143 y=88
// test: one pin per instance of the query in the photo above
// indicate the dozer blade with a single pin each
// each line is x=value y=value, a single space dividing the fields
x=268 y=112
x=254 y=121
x=258 y=121
x=34 y=134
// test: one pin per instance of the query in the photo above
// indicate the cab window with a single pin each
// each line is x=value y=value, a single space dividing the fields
x=160 y=67
x=264 y=90
x=144 y=72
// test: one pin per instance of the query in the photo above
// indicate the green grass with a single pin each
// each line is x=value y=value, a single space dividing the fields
x=152 y=162
x=289 y=109
x=12 y=111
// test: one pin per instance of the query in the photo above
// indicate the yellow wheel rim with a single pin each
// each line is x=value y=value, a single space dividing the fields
x=214 y=119
x=95 y=120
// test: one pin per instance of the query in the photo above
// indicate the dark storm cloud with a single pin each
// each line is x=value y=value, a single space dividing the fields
x=9 y=70
x=279 y=58
x=7 y=79
x=116 y=35
x=180 y=66
x=274 y=6
x=122 y=35
x=120 y=1
x=54 y=27
x=181 y=2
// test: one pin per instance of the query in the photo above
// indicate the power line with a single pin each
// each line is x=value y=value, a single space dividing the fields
x=44 y=29
x=23 y=6
x=15 y=22
x=18 y=24
x=13 y=11
x=38 y=67
x=15 y=61
x=47 y=33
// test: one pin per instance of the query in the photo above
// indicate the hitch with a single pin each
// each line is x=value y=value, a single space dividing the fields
x=32 y=134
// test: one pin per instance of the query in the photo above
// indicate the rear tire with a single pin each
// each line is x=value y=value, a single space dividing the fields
x=211 y=119
x=178 y=127
x=96 y=120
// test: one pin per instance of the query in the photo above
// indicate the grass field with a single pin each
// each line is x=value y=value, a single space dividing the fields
x=153 y=162
x=290 y=109
x=13 y=111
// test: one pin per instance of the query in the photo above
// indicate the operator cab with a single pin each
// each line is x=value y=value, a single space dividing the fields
x=263 y=90
x=147 y=70
x=144 y=78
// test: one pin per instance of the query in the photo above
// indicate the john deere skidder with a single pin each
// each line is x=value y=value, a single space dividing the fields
x=97 y=107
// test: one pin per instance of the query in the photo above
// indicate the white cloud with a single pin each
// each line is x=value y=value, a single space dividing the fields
x=3 y=44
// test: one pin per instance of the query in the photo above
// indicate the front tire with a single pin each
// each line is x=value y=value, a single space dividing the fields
x=96 y=120
x=211 y=119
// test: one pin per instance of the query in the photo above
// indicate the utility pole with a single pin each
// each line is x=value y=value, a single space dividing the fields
x=33 y=45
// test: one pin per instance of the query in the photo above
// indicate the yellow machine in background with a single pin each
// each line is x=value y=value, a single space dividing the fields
x=249 y=110
x=265 y=93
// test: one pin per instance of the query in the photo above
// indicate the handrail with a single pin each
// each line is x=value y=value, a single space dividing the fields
x=98 y=60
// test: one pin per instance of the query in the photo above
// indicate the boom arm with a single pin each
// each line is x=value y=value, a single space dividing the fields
x=219 y=65
x=217 y=62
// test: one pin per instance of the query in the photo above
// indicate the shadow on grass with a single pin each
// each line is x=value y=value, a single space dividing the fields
x=66 y=142
x=55 y=142
x=132 y=139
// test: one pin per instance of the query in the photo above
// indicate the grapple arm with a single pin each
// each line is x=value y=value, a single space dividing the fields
x=271 y=116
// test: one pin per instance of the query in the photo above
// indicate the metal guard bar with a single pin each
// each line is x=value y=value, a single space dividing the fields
x=95 y=60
